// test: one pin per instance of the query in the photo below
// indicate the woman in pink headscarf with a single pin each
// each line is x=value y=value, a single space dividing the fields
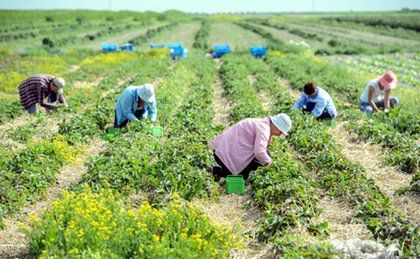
x=377 y=94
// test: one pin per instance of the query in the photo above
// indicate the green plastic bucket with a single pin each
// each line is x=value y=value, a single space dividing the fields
x=112 y=130
x=108 y=137
x=38 y=115
x=157 y=131
x=235 y=184
x=329 y=122
x=369 y=115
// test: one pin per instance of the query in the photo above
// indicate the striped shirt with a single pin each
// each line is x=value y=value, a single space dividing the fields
x=35 y=89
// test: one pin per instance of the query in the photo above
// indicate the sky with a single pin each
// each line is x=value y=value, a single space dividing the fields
x=215 y=6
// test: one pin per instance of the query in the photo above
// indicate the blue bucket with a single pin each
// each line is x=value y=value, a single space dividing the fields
x=258 y=51
x=109 y=47
x=127 y=47
x=220 y=50
x=157 y=46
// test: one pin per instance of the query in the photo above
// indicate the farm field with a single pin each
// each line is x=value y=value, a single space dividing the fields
x=241 y=39
x=347 y=191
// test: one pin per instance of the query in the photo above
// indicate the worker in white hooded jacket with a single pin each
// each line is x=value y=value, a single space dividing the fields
x=134 y=103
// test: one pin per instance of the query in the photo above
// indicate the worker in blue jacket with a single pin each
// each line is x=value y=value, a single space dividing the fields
x=134 y=103
x=316 y=101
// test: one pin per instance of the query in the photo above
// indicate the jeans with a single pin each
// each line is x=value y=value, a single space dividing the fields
x=32 y=109
x=138 y=115
x=223 y=171
x=365 y=107
x=324 y=115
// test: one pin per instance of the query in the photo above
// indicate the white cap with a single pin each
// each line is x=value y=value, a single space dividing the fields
x=146 y=93
x=282 y=122
x=60 y=83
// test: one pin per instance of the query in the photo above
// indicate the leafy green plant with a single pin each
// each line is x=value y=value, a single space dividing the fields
x=100 y=224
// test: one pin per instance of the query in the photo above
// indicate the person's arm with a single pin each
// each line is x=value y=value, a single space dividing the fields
x=300 y=102
x=260 y=147
x=386 y=99
x=152 y=111
x=370 y=99
x=319 y=108
x=62 y=100
x=127 y=104
x=41 y=98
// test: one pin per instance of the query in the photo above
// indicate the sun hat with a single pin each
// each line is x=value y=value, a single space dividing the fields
x=146 y=93
x=60 y=83
x=388 y=80
x=282 y=122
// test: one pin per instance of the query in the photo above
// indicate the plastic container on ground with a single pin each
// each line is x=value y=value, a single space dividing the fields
x=109 y=47
x=329 y=122
x=258 y=51
x=157 y=46
x=127 y=47
x=156 y=131
x=178 y=53
x=113 y=130
x=178 y=45
x=38 y=115
x=235 y=184
x=220 y=50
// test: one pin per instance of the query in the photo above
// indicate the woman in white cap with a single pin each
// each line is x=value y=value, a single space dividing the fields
x=38 y=87
x=372 y=98
x=134 y=103
x=243 y=147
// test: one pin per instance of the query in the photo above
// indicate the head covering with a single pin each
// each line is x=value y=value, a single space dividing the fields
x=282 y=122
x=146 y=93
x=388 y=80
x=60 y=83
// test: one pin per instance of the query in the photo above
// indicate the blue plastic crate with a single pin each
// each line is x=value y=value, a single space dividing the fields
x=178 y=53
x=157 y=46
x=258 y=51
x=178 y=45
x=220 y=50
x=127 y=47
x=109 y=47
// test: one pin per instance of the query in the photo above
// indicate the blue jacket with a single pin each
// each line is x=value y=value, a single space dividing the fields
x=127 y=106
x=322 y=99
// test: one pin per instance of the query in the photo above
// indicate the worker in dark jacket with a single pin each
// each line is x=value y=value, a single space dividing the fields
x=39 y=87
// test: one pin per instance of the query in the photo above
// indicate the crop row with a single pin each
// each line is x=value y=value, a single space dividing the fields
x=201 y=38
x=406 y=21
x=403 y=67
x=335 y=45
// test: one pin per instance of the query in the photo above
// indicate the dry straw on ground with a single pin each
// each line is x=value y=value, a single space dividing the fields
x=387 y=178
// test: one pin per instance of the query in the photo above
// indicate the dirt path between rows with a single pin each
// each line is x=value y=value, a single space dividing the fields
x=13 y=243
x=221 y=105
x=387 y=178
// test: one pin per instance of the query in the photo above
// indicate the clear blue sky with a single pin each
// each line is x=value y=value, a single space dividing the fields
x=212 y=6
